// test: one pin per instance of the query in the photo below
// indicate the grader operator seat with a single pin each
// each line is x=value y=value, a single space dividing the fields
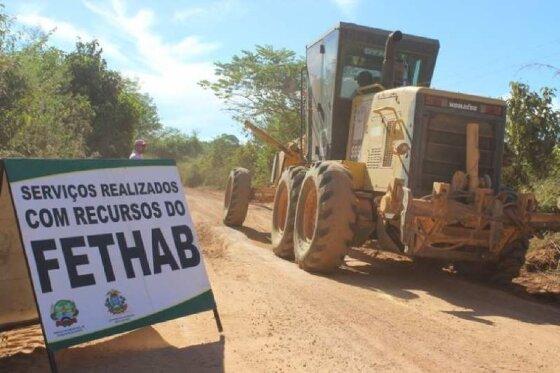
x=346 y=58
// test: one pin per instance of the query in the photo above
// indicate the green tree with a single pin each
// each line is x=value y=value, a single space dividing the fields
x=58 y=104
x=148 y=124
x=172 y=143
x=120 y=112
x=212 y=166
x=532 y=135
x=262 y=86
x=48 y=121
x=37 y=117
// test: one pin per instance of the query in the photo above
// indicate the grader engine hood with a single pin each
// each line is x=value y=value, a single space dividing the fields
x=442 y=190
x=432 y=125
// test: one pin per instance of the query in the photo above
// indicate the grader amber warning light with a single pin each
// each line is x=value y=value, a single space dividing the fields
x=389 y=158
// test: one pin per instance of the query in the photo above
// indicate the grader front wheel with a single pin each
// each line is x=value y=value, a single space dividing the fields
x=237 y=195
x=325 y=218
x=284 y=212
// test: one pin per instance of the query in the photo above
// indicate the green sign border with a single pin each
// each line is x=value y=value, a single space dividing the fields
x=29 y=168
x=200 y=303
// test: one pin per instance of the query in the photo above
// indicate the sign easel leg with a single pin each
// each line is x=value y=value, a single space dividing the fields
x=217 y=318
x=52 y=361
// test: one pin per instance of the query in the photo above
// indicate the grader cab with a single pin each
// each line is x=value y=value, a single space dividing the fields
x=389 y=158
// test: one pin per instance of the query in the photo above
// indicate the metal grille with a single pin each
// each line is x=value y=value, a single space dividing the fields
x=445 y=149
x=389 y=138
x=374 y=158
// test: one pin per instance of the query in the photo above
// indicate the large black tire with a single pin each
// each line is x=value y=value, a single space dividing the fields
x=284 y=212
x=511 y=261
x=237 y=196
x=325 y=220
x=502 y=272
x=475 y=270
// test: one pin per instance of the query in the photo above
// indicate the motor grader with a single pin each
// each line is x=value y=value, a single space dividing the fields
x=388 y=158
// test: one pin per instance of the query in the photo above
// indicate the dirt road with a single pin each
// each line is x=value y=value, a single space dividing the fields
x=373 y=314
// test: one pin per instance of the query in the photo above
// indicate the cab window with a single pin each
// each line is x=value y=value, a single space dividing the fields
x=365 y=63
x=359 y=59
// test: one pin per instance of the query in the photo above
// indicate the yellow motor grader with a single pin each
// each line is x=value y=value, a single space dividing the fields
x=389 y=158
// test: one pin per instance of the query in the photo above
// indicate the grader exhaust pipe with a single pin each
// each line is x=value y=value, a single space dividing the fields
x=388 y=71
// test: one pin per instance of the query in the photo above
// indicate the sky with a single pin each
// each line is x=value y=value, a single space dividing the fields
x=170 y=45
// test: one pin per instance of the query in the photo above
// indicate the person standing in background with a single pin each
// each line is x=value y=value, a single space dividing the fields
x=139 y=148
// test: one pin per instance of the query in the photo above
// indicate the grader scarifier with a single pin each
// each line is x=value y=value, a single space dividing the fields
x=391 y=159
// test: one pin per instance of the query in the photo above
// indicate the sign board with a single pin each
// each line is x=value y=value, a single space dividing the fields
x=110 y=245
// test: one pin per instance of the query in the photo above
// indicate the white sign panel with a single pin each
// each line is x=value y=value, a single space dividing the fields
x=110 y=245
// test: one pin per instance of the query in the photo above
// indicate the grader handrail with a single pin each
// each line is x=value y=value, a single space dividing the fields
x=398 y=120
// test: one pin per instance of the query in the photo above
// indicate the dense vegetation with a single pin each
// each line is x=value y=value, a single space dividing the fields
x=261 y=86
x=59 y=104
x=70 y=104
x=532 y=144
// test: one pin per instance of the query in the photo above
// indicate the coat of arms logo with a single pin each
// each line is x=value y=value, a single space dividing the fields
x=115 y=302
x=64 y=312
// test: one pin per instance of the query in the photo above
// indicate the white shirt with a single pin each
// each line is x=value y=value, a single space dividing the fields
x=135 y=155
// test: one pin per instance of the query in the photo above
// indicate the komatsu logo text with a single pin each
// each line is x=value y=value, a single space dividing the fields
x=463 y=106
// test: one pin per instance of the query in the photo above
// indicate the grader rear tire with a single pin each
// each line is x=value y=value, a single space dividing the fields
x=325 y=220
x=475 y=271
x=236 y=200
x=284 y=212
x=511 y=261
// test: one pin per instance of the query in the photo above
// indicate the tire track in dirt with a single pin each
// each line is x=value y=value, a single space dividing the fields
x=385 y=313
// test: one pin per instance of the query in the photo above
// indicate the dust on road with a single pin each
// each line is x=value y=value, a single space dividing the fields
x=375 y=313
